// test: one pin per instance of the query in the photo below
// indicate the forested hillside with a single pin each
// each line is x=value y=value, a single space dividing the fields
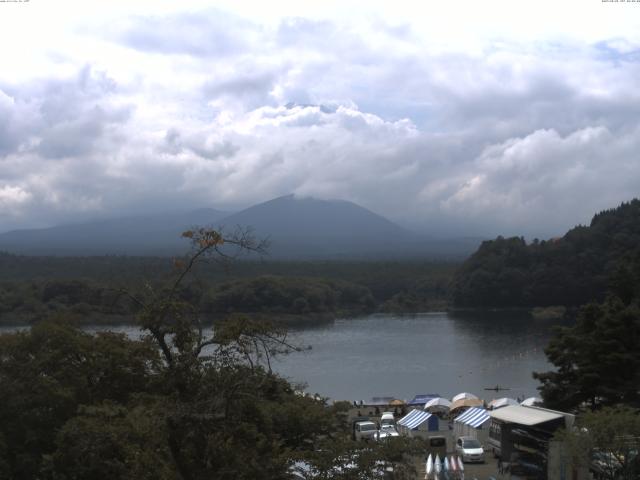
x=572 y=270
x=34 y=288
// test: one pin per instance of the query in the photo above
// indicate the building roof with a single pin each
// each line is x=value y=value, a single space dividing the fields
x=423 y=398
x=414 y=418
x=525 y=415
x=474 y=417
x=381 y=401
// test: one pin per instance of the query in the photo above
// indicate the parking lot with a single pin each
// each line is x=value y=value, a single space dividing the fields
x=479 y=471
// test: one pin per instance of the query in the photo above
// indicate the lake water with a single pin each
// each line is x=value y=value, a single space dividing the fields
x=387 y=355
x=400 y=356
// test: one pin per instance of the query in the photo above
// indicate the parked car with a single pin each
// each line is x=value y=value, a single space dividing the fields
x=387 y=431
x=469 y=450
x=354 y=422
x=365 y=430
x=387 y=418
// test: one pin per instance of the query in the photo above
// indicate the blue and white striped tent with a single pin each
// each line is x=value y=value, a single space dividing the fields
x=418 y=420
x=471 y=423
x=474 y=417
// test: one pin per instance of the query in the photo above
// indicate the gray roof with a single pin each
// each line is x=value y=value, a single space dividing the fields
x=525 y=415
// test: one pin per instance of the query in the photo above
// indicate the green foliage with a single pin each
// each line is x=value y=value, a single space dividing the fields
x=597 y=361
x=47 y=372
x=570 y=271
x=90 y=289
x=182 y=402
x=606 y=441
x=109 y=441
x=271 y=294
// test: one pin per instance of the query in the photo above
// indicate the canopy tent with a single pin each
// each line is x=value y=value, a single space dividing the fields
x=472 y=423
x=463 y=396
x=531 y=401
x=396 y=402
x=466 y=402
x=422 y=398
x=418 y=423
x=473 y=417
x=501 y=402
x=414 y=418
x=438 y=404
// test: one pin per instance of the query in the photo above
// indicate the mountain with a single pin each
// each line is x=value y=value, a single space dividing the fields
x=312 y=228
x=139 y=235
x=579 y=267
x=337 y=229
x=297 y=228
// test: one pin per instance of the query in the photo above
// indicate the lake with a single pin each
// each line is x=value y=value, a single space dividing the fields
x=388 y=355
x=400 y=356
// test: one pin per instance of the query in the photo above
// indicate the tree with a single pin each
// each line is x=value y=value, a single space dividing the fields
x=607 y=442
x=597 y=361
x=45 y=373
x=184 y=401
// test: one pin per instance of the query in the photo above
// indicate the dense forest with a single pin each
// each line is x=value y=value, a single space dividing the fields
x=571 y=271
x=33 y=288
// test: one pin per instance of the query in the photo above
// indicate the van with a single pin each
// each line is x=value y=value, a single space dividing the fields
x=365 y=431
x=387 y=418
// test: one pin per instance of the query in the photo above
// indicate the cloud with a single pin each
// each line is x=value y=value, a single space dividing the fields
x=207 y=33
x=208 y=108
x=12 y=197
x=544 y=179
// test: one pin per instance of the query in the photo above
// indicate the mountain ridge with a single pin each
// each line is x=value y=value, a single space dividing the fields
x=297 y=227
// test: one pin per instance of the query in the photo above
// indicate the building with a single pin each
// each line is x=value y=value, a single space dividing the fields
x=522 y=437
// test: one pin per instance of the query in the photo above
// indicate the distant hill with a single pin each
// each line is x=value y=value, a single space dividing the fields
x=575 y=269
x=297 y=228
x=139 y=235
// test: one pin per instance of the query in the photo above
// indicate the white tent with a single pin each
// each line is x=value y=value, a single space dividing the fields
x=501 y=402
x=438 y=404
x=473 y=423
x=531 y=402
x=463 y=396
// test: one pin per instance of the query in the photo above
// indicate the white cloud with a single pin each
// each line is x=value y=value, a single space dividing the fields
x=11 y=199
x=466 y=117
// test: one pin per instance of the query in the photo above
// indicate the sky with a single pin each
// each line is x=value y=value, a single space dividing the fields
x=452 y=118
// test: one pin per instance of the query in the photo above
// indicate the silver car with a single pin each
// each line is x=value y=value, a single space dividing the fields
x=469 y=450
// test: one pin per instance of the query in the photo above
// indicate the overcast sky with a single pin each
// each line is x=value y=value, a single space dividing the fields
x=468 y=117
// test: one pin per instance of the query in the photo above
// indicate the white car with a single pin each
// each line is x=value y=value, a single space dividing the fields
x=469 y=450
x=387 y=431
